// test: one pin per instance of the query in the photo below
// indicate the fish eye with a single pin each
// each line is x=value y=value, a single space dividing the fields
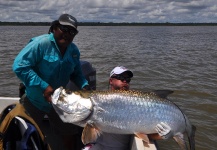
x=68 y=91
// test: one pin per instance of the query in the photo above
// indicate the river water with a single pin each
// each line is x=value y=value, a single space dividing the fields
x=178 y=58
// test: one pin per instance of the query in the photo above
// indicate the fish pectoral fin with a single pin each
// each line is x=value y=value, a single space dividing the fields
x=144 y=138
x=179 y=138
x=90 y=133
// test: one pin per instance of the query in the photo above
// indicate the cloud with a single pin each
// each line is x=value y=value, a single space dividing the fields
x=110 y=10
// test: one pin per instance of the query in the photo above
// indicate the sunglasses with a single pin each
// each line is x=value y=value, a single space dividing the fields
x=122 y=78
x=65 y=29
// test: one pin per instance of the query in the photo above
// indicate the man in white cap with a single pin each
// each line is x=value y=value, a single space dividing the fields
x=43 y=65
x=120 y=78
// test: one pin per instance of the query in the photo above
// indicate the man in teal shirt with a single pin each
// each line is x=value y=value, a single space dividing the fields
x=46 y=63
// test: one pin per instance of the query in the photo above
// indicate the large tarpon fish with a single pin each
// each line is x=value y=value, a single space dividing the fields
x=121 y=112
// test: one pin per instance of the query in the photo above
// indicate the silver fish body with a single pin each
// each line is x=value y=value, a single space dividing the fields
x=122 y=112
x=129 y=112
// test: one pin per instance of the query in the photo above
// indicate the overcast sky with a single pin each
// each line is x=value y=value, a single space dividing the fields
x=174 y=11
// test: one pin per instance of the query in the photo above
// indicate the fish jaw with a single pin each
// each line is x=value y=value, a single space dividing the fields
x=56 y=95
x=71 y=106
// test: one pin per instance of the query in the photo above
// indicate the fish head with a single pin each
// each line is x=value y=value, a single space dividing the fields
x=71 y=106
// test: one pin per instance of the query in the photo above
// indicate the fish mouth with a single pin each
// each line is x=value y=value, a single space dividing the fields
x=56 y=95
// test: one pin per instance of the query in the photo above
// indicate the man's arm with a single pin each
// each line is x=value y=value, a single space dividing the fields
x=23 y=64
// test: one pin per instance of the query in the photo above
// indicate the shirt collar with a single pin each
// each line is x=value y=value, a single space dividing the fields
x=53 y=40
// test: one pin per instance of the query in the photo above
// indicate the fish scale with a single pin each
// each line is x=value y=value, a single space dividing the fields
x=122 y=112
x=145 y=112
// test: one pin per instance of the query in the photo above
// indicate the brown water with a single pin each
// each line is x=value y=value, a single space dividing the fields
x=183 y=59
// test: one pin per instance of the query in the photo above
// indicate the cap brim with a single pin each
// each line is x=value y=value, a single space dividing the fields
x=67 y=24
x=129 y=73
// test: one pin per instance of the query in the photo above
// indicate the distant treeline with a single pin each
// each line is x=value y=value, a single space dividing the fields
x=107 y=24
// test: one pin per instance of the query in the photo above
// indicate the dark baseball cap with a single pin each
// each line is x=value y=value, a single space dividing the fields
x=68 y=20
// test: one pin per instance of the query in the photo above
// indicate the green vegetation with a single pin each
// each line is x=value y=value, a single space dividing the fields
x=107 y=24
x=24 y=23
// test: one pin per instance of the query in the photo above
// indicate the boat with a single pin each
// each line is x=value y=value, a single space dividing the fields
x=90 y=75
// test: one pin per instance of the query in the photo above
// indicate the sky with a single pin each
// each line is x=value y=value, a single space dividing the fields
x=117 y=11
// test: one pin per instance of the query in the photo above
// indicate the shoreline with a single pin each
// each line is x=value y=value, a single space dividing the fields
x=107 y=24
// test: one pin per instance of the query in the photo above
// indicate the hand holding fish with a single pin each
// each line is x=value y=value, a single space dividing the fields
x=164 y=130
x=86 y=87
x=48 y=92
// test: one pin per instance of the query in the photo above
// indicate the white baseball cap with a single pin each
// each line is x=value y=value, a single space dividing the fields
x=120 y=70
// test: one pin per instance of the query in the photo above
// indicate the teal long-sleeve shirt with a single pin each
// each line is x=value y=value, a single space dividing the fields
x=40 y=64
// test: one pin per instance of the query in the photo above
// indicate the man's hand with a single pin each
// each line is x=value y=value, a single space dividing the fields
x=86 y=87
x=163 y=130
x=48 y=92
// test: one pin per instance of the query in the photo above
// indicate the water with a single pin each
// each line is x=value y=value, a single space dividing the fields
x=183 y=59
